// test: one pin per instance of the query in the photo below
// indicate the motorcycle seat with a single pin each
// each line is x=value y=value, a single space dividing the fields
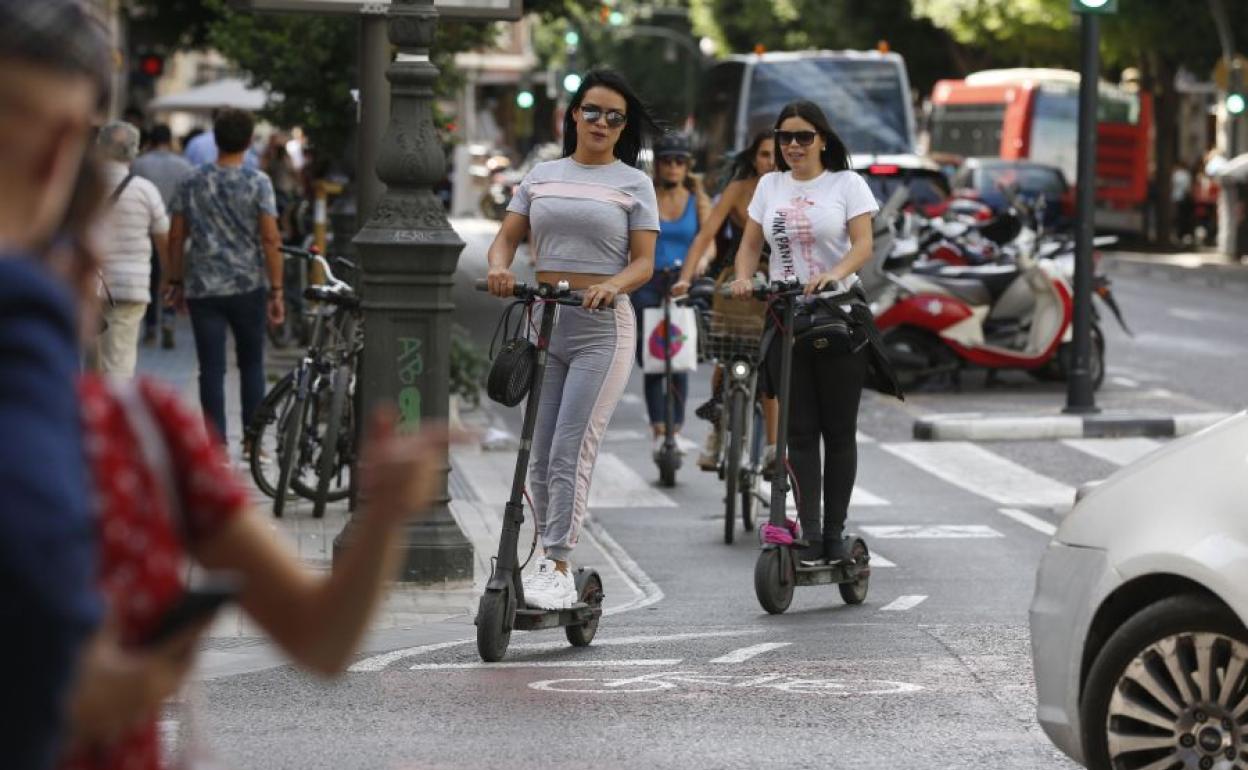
x=992 y=281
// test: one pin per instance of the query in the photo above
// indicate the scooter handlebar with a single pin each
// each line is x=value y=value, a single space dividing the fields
x=544 y=292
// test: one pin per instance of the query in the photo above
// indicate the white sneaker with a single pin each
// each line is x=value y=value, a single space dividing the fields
x=548 y=588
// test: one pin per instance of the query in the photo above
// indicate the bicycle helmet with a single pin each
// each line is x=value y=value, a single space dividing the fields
x=673 y=145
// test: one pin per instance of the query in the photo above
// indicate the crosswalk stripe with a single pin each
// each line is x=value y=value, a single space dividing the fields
x=984 y=473
x=902 y=603
x=930 y=532
x=1119 y=451
x=638 y=639
x=745 y=653
x=1027 y=520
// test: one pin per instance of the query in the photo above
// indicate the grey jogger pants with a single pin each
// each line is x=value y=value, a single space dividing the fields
x=590 y=356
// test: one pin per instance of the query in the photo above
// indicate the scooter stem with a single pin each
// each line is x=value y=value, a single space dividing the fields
x=780 y=476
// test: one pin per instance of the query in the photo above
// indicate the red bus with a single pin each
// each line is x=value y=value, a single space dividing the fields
x=1032 y=114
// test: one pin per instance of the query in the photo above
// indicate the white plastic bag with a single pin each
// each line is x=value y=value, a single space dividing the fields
x=682 y=342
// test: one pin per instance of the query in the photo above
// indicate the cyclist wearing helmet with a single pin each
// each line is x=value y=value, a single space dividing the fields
x=682 y=207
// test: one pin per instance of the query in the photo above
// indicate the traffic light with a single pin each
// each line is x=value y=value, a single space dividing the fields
x=152 y=65
x=524 y=99
x=1235 y=97
x=571 y=82
x=1094 y=6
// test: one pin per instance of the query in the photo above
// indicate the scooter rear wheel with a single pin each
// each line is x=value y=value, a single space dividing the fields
x=772 y=586
x=494 y=625
x=590 y=593
x=856 y=592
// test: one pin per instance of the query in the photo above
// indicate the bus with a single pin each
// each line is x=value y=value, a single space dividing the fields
x=1032 y=114
x=865 y=95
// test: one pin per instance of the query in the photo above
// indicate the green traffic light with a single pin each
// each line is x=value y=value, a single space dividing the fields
x=524 y=100
x=615 y=19
x=571 y=37
x=572 y=82
x=1235 y=104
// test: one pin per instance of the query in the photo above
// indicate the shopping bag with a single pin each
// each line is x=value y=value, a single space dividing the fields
x=681 y=342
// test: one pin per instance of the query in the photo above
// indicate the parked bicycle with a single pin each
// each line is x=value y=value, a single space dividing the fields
x=304 y=428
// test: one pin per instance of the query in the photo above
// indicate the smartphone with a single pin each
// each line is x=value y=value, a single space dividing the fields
x=198 y=602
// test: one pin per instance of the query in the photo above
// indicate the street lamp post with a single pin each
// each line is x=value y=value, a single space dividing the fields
x=408 y=253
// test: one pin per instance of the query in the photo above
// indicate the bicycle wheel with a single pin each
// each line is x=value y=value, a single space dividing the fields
x=732 y=462
x=288 y=451
x=749 y=489
x=336 y=429
x=306 y=476
x=264 y=435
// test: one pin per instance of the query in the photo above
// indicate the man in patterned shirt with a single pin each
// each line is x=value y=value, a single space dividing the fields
x=226 y=264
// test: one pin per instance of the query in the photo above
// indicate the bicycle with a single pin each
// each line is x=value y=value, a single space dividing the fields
x=307 y=420
x=731 y=334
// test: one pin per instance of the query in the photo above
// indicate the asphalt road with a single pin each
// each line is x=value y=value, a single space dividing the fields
x=933 y=671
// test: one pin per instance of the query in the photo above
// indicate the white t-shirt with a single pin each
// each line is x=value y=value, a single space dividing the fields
x=806 y=224
x=129 y=223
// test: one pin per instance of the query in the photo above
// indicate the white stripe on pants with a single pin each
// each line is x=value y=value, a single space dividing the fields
x=589 y=359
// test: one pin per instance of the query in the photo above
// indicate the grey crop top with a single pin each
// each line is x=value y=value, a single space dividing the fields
x=580 y=216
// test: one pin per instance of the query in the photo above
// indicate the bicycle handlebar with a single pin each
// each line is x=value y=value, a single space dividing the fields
x=542 y=292
x=335 y=283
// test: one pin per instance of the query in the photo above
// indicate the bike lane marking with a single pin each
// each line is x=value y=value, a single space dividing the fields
x=1027 y=520
x=930 y=531
x=670 y=680
x=903 y=603
x=984 y=473
x=1117 y=451
x=745 y=653
x=638 y=639
x=622 y=663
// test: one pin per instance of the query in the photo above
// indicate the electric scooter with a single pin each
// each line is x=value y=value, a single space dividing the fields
x=502 y=608
x=778 y=570
x=668 y=457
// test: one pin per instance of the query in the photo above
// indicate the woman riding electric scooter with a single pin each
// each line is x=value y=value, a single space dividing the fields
x=682 y=205
x=815 y=214
x=593 y=221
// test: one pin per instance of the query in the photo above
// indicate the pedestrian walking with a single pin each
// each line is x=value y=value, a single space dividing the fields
x=226 y=264
x=135 y=223
x=815 y=214
x=166 y=169
x=594 y=221
x=729 y=214
x=682 y=206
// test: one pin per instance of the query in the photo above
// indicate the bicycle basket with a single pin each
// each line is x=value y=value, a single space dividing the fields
x=733 y=330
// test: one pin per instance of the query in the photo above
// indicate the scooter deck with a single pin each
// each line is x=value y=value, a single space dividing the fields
x=531 y=619
x=825 y=574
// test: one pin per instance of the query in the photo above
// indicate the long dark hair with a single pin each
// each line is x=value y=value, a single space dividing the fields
x=641 y=125
x=834 y=156
x=743 y=162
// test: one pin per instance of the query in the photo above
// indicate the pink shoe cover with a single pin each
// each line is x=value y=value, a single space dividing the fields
x=780 y=535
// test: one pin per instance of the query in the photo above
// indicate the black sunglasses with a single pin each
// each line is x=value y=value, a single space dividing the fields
x=804 y=138
x=592 y=113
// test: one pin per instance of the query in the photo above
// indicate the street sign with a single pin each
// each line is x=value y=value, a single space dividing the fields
x=1094 y=6
x=478 y=10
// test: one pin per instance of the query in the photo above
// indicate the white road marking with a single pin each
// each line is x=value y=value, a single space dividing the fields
x=631 y=398
x=1124 y=382
x=687 y=444
x=864 y=438
x=634 y=662
x=984 y=473
x=638 y=639
x=931 y=532
x=860 y=497
x=379 y=662
x=880 y=561
x=1028 y=520
x=1119 y=451
x=902 y=603
x=625 y=434
x=745 y=653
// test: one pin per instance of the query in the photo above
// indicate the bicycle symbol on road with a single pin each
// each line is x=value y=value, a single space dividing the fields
x=671 y=680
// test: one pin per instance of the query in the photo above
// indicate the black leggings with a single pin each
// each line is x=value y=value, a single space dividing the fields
x=824 y=397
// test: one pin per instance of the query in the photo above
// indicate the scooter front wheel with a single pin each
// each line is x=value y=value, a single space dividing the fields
x=856 y=592
x=589 y=591
x=494 y=625
x=774 y=580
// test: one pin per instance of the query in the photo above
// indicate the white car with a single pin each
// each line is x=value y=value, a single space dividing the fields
x=1138 y=622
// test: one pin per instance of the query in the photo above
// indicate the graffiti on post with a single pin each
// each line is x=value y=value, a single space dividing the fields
x=410 y=366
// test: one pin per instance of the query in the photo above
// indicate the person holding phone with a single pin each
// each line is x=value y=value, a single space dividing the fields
x=594 y=221
x=815 y=214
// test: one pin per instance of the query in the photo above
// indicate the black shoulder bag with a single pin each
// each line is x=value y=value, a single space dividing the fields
x=511 y=373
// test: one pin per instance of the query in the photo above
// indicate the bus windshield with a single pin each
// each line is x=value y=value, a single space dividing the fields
x=865 y=101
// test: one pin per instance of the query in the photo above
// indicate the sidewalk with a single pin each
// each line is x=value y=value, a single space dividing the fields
x=411 y=615
x=1204 y=267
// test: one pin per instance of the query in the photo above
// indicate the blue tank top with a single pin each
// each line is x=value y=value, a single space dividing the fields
x=675 y=237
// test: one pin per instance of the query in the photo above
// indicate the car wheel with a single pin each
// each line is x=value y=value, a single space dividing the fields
x=1169 y=690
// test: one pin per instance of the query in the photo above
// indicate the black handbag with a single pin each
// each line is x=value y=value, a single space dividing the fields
x=511 y=373
x=828 y=330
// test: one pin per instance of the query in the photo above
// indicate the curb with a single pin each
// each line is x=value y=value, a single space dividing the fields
x=1031 y=427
